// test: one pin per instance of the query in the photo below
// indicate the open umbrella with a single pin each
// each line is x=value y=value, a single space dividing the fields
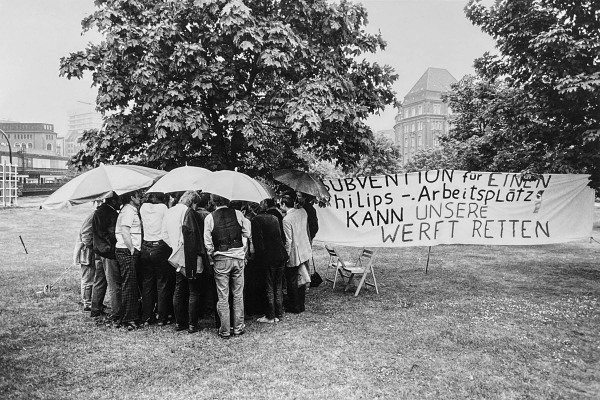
x=303 y=182
x=234 y=185
x=100 y=183
x=181 y=179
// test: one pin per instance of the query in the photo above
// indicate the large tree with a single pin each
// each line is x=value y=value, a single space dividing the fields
x=536 y=103
x=231 y=83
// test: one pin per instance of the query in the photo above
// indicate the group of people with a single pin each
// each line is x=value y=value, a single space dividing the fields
x=180 y=257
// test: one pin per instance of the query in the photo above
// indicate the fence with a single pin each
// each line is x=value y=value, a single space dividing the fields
x=8 y=185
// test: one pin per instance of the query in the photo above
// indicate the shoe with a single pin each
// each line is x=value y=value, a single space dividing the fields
x=277 y=319
x=193 y=329
x=131 y=326
x=161 y=323
x=114 y=324
x=179 y=328
x=223 y=336
x=87 y=308
x=240 y=333
x=266 y=320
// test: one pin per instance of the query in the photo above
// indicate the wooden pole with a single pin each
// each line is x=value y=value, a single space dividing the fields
x=428 y=253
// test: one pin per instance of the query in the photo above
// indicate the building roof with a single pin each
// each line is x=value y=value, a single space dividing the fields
x=435 y=80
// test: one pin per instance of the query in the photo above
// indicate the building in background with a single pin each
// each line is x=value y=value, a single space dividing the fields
x=80 y=121
x=36 y=154
x=423 y=116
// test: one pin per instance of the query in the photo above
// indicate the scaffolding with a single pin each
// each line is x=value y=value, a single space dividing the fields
x=9 y=187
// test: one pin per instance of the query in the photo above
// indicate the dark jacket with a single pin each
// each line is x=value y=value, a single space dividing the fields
x=193 y=243
x=201 y=216
x=277 y=214
x=313 y=221
x=103 y=231
x=266 y=238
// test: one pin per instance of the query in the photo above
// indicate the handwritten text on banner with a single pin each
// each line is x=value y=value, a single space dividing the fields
x=449 y=207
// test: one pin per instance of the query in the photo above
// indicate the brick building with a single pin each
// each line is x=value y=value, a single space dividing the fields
x=423 y=117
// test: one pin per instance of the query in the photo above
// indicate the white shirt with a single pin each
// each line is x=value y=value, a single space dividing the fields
x=171 y=225
x=152 y=218
x=129 y=217
x=237 y=252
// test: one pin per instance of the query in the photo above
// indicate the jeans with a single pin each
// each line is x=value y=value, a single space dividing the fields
x=107 y=275
x=88 y=272
x=157 y=274
x=186 y=300
x=229 y=274
x=274 y=281
x=295 y=294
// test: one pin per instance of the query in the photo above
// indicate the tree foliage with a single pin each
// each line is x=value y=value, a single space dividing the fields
x=536 y=104
x=231 y=83
x=384 y=157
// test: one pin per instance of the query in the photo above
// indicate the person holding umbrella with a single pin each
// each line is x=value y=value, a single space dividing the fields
x=128 y=231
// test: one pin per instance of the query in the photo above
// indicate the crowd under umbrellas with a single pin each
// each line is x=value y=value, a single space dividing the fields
x=191 y=244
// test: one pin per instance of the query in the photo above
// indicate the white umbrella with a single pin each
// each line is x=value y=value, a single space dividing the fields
x=181 y=179
x=234 y=186
x=100 y=183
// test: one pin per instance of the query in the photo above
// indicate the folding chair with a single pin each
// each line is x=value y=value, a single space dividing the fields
x=364 y=267
x=336 y=264
x=348 y=270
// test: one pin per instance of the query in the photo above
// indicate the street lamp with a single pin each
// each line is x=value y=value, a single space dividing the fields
x=9 y=148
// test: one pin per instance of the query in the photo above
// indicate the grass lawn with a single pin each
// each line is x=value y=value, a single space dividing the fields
x=484 y=322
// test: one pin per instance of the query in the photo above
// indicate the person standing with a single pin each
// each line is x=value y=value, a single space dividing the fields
x=83 y=255
x=180 y=228
x=298 y=248
x=307 y=201
x=208 y=288
x=270 y=254
x=156 y=270
x=107 y=271
x=128 y=231
x=223 y=232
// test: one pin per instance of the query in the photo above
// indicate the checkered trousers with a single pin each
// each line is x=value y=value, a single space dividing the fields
x=130 y=292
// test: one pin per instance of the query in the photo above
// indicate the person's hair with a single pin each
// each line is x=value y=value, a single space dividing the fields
x=126 y=197
x=190 y=197
x=219 y=200
x=114 y=198
x=204 y=200
x=268 y=203
x=155 y=198
x=288 y=201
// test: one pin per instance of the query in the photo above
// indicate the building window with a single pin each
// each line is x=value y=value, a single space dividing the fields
x=49 y=147
x=413 y=127
x=30 y=145
x=437 y=109
x=412 y=111
x=419 y=110
x=412 y=141
x=436 y=141
x=420 y=125
x=406 y=113
x=420 y=140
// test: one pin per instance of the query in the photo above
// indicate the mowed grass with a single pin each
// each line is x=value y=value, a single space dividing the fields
x=484 y=322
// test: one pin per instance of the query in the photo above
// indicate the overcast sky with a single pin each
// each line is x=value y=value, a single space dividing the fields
x=36 y=33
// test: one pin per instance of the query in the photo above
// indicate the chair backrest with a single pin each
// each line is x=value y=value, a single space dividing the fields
x=367 y=254
x=334 y=258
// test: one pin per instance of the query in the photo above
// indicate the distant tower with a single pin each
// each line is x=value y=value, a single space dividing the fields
x=423 y=117
x=80 y=121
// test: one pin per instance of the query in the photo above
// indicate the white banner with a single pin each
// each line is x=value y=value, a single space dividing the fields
x=450 y=207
